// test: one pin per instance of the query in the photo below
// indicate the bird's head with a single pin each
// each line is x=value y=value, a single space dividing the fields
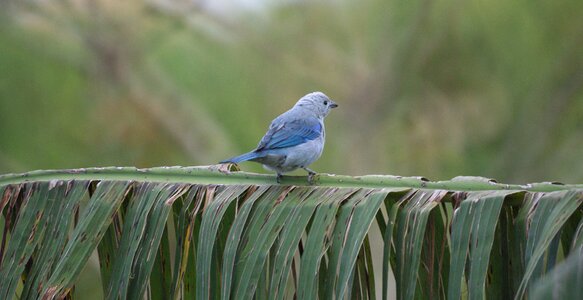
x=318 y=103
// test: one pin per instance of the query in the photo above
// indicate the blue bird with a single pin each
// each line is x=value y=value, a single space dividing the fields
x=295 y=139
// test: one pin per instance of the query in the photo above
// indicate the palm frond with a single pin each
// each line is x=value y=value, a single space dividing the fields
x=185 y=233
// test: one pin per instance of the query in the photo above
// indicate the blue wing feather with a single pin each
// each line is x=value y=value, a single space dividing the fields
x=289 y=134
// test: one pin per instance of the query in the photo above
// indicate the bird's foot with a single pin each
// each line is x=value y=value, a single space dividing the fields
x=311 y=175
x=311 y=178
x=278 y=178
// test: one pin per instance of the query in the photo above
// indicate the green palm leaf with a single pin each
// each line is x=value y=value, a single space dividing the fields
x=184 y=233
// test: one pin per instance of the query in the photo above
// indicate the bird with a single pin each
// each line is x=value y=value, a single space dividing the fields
x=295 y=139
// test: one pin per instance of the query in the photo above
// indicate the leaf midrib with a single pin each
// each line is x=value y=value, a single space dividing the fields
x=211 y=175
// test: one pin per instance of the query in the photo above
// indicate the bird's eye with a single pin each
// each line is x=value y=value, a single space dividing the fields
x=325 y=102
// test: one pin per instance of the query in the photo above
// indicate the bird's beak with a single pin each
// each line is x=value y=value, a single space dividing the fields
x=333 y=104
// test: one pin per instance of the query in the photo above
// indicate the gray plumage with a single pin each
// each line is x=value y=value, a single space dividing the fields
x=295 y=139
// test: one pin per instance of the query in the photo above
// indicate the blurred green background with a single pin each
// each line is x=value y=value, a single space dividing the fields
x=432 y=88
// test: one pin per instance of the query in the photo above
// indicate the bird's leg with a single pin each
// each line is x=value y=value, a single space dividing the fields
x=279 y=177
x=311 y=174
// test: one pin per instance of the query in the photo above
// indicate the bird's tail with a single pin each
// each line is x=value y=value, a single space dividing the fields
x=243 y=157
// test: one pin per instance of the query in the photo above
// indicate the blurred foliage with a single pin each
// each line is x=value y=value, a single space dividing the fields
x=433 y=88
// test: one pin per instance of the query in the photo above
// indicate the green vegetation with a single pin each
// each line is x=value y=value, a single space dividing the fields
x=170 y=233
x=436 y=89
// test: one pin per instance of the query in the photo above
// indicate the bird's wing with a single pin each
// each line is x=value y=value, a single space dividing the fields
x=290 y=133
